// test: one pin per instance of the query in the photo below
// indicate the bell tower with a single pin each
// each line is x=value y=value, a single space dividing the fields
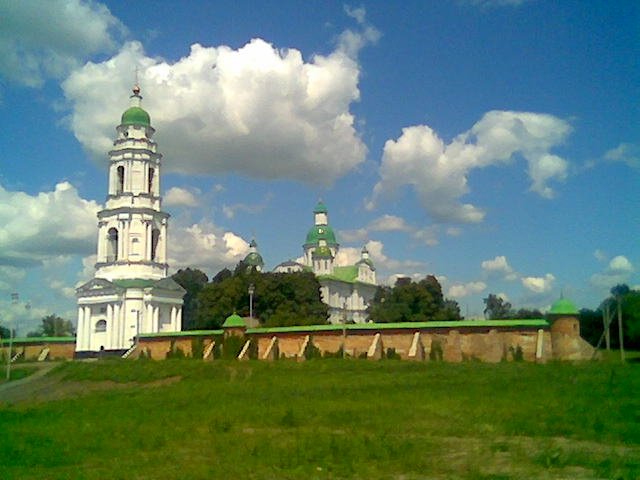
x=132 y=229
x=130 y=293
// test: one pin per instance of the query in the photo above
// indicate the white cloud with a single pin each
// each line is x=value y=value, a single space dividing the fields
x=500 y=266
x=600 y=255
x=625 y=152
x=9 y=277
x=389 y=223
x=205 y=246
x=48 y=39
x=620 y=264
x=438 y=172
x=258 y=110
x=539 y=284
x=618 y=271
x=350 y=255
x=229 y=211
x=460 y=290
x=354 y=236
x=180 y=197
x=37 y=228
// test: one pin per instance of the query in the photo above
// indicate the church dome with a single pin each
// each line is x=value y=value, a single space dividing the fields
x=321 y=232
x=320 y=208
x=563 y=306
x=136 y=116
x=254 y=259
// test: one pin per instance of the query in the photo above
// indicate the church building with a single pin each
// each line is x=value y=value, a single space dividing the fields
x=347 y=290
x=130 y=293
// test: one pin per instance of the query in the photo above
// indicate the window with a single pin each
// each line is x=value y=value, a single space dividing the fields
x=151 y=175
x=120 y=185
x=155 y=237
x=112 y=245
x=103 y=309
x=101 y=326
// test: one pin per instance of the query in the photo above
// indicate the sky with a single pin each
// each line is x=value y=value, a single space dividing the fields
x=492 y=143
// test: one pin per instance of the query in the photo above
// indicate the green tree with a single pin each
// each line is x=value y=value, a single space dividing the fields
x=279 y=299
x=192 y=280
x=4 y=332
x=53 y=326
x=496 y=307
x=410 y=301
x=592 y=324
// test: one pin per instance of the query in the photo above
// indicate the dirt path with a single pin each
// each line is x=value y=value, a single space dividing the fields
x=10 y=390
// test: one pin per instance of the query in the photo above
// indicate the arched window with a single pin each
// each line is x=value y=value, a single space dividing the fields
x=101 y=326
x=152 y=173
x=120 y=185
x=112 y=245
x=155 y=237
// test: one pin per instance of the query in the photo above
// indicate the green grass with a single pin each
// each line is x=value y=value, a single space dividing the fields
x=17 y=372
x=327 y=419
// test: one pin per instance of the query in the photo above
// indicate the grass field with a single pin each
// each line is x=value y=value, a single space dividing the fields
x=323 y=419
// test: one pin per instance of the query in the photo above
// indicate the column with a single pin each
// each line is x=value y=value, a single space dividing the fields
x=173 y=318
x=109 y=332
x=156 y=319
x=147 y=240
x=116 y=327
x=163 y=243
x=80 y=329
x=179 y=320
x=87 y=328
x=149 y=317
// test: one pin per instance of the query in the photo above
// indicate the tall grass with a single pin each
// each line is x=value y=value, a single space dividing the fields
x=328 y=419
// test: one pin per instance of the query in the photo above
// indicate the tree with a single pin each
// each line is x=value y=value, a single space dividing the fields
x=592 y=325
x=496 y=307
x=4 y=332
x=280 y=299
x=410 y=301
x=192 y=280
x=53 y=326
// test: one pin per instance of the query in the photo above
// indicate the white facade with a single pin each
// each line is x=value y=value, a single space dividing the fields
x=347 y=290
x=130 y=293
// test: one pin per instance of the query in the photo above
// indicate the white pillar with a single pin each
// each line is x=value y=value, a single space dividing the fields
x=156 y=318
x=87 y=328
x=110 y=330
x=179 y=320
x=173 y=318
x=79 y=330
x=163 y=241
x=116 y=327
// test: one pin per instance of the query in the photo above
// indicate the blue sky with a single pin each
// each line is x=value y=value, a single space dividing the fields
x=493 y=143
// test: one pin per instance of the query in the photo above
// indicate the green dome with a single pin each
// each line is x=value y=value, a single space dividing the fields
x=563 y=307
x=234 y=320
x=320 y=208
x=254 y=259
x=322 y=252
x=136 y=116
x=321 y=232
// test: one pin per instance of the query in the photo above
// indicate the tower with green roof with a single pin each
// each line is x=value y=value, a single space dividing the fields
x=320 y=234
x=130 y=293
x=253 y=260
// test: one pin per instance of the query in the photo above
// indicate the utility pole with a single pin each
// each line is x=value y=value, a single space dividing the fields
x=606 y=314
x=620 y=332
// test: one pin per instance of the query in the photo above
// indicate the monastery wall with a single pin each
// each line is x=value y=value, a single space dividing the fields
x=489 y=341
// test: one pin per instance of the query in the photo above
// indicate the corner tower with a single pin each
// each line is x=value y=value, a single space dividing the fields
x=130 y=293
